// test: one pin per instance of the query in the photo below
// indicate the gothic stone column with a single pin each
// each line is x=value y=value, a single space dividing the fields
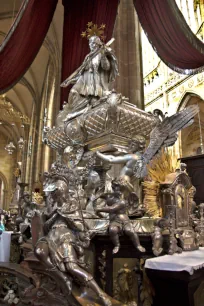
x=127 y=47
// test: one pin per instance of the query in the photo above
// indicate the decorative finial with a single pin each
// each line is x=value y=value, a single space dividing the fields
x=94 y=30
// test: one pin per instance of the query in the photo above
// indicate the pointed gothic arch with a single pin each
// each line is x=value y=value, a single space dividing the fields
x=186 y=97
x=191 y=138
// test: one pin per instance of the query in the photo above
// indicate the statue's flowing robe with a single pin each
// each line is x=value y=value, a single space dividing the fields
x=94 y=80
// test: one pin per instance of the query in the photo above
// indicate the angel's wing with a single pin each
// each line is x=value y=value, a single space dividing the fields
x=165 y=134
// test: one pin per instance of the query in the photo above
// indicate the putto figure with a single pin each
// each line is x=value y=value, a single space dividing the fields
x=92 y=79
x=119 y=220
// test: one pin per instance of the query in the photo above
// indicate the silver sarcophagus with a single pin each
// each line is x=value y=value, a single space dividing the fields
x=109 y=126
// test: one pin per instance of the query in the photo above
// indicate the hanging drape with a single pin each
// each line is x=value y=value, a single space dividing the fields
x=165 y=26
x=77 y=14
x=24 y=40
x=170 y=35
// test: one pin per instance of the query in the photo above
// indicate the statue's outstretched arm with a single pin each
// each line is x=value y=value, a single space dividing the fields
x=73 y=78
x=69 y=81
x=114 y=159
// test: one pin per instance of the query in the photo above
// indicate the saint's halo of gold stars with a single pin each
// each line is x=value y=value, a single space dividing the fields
x=94 y=30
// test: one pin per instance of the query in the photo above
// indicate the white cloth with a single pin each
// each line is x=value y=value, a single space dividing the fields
x=5 y=244
x=186 y=261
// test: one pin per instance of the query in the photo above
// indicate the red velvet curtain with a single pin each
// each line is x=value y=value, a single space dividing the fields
x=77 y=13
x=170 y=35
x=25 y=41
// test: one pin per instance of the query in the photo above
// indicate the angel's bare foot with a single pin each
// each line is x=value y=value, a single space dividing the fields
x=116 y=249
x=141 y=249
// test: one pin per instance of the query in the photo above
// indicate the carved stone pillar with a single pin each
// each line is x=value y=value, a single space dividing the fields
x=46 y=156
x=5 y=199
x=42 y=153
x=128 y=51
x=31 y=152
x=1 y=193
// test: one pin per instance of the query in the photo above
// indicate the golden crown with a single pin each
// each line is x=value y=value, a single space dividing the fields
x=94 y=30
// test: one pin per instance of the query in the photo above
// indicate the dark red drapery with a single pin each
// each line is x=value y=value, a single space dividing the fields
x=170 y=35
x=25 y=41
x=77 y=14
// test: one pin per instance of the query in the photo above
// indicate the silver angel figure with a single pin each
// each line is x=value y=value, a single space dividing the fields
x=136 y=148
x=92 y=79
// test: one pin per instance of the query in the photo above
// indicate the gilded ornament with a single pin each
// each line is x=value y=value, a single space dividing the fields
x=191 y=83
x=17 y=172
x=83 y=34
x=181 y=89
x=159 y=168
x=200 y=77
x=10 y=114
x=174 y=94
x=37 y=198
x=89 y=24
x=94 y=30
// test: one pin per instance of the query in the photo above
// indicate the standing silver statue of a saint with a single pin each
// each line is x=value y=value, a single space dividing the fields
x=92 y=79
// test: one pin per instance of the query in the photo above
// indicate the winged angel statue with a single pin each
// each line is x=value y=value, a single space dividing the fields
x=164 y=134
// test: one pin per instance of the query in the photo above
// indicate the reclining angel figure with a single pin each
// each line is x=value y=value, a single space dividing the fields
x=164 y=134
